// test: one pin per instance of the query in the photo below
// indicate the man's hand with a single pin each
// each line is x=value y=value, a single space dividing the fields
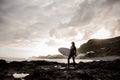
x=75 y=55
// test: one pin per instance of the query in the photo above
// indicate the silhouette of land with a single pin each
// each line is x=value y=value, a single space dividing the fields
x=101 y=47
x=57 y=56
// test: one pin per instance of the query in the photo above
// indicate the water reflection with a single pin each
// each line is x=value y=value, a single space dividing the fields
x=20 y=75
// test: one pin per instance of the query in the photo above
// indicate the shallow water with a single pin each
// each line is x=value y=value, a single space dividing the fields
x=108 y=58
x=65 y=60
x=20 y=75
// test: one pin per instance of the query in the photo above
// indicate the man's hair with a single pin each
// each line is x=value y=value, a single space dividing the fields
x=73 y=43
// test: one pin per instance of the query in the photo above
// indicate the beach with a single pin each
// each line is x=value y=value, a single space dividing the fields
x=50 y=70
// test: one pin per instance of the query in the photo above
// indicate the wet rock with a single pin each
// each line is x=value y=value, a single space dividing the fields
x=43 y=70
x=44 y=63
x=3 y=65
x=2 y=62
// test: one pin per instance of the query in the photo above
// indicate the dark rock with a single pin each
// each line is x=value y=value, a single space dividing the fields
x=17 y=79
x=2 y=62
x=44 y=63
x=43 y=70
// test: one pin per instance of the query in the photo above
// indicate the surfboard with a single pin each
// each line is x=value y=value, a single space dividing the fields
x=64 y=51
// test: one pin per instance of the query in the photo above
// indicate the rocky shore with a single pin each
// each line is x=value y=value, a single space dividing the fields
x=44 y=70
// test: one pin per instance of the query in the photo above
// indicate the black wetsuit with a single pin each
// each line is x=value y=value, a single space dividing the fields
x=72 y=55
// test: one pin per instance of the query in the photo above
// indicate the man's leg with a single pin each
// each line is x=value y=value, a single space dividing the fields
x=69 y=60
x=73 y=61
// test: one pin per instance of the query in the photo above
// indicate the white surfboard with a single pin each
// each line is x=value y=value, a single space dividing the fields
x=64 y=51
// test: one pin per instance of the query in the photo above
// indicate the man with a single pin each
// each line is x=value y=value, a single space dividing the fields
x=72 y=54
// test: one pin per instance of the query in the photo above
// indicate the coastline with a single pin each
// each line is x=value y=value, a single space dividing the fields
x=62 y=60
x=47 y=70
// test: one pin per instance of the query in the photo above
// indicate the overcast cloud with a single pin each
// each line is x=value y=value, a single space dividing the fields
x=25 y=20
x=92 y=15
x=55 y=21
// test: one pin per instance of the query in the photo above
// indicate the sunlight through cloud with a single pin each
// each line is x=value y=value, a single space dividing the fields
x=101 y=34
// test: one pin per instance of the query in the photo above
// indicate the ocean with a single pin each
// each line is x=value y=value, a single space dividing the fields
x=108 y=58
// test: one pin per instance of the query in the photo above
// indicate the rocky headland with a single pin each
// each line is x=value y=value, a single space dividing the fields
x=101 y=47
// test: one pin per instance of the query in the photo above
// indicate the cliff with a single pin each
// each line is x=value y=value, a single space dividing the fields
x=101 y=47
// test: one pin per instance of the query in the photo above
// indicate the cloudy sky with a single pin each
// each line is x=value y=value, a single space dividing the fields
x=40 y=27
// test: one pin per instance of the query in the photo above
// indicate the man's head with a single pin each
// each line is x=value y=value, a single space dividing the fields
x=73 y=43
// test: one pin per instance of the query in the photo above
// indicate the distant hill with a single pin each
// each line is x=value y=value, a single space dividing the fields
x=101 y=47
x=57 y=56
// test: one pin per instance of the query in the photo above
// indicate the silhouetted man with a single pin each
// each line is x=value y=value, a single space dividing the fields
x=72 y=54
